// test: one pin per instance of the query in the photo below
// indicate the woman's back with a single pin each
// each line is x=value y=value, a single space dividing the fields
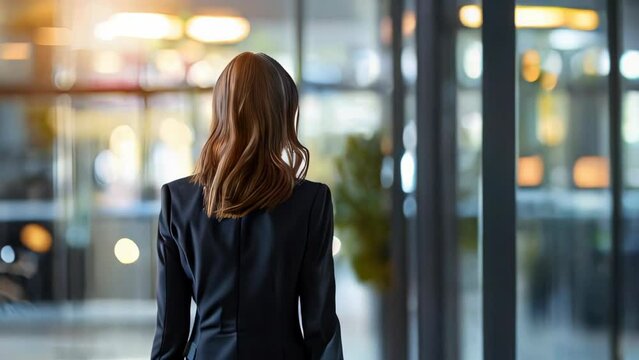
x=245 y=275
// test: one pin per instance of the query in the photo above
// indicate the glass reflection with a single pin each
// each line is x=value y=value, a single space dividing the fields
x=563 y=232
x=344 y=123
x=469 y=69
x=630 y=154
x=101 y=102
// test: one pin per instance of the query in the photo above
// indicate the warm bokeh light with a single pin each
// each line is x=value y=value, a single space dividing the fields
x=126 y=251
x=218 y=29
x=122 y=140
x=107 y=62
x=202 y=74
x=122 y=162
x=551 y=124
x=596 y=62
x=175 y=133
x=539 y=17
x=191 y=51
x=140 y=25
x=530 y=171
x=169 y=62
x=581 y=19
x=175 y=147
x=551 y=130
x=471 y=16
x=409 y=23
x=52 y=36
x=15 y=51
x=531 y=65
x=36 y=238
x=549 y=81
x=591 y=172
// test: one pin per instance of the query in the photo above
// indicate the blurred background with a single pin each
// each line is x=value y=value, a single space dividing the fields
x=103 y=101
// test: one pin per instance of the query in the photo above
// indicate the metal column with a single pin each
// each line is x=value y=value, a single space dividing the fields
x=616 y=177
x=396 y=339
x=499 y=158
x=436 y=186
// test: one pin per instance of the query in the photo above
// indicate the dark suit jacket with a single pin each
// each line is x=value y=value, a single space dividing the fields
x=246 y=276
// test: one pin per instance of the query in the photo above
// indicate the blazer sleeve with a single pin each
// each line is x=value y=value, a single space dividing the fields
x=322 y=337
x=173 y=291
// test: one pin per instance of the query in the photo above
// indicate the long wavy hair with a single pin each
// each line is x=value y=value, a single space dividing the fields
x=252 y=159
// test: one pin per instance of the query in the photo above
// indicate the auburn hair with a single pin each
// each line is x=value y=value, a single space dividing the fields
x=252 y=158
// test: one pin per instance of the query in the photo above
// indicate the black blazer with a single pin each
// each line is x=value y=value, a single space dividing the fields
x=246 y=276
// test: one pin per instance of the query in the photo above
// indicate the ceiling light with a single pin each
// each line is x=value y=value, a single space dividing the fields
x=218 y=29
x=140 y=26
x=537 y=17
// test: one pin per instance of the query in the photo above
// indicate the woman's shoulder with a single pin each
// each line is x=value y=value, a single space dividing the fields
x=181 y=183
x=188 y=183
x=311 y=186
x=313 y=191
x=305 y=190
x=183 y=186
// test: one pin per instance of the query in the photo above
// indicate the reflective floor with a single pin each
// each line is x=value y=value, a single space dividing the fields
x=537 y=339
x=96 y=330
x=123 y=329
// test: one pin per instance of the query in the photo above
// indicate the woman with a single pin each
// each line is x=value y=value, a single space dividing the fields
x=247 y=236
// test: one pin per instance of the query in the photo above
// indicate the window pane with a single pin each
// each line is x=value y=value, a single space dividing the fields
x=96 y=112
x=345 y=123
x=468 y=71
x=629 y=67
x=563 y=232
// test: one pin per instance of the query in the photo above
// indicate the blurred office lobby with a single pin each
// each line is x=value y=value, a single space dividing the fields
x=483 y=160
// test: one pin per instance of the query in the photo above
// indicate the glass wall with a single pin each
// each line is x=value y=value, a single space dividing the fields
x=563 y=186
x=563 y=198
x=408 y=170
x=102 y=102
x=98 y=111
x=345 y=112
x=468 y=92
x=629 y=68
